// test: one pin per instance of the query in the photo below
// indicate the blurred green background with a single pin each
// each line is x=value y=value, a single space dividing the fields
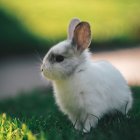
x=29 y=25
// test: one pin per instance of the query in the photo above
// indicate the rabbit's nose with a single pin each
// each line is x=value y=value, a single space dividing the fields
x=41 y=68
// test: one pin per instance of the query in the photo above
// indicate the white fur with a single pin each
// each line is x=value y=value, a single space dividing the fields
x=86 y=90
x=95 y=91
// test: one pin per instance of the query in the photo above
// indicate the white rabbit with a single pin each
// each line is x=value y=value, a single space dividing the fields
x=84 y=90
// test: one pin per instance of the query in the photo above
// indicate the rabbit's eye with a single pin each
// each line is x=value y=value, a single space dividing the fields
x=59 y=58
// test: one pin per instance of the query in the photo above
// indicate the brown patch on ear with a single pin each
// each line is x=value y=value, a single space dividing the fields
x=82 y=36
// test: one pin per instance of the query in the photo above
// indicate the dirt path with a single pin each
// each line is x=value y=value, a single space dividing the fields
x=18 y=74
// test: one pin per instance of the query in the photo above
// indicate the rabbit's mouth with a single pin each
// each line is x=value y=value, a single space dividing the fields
x=47 y=72
x=44 y=71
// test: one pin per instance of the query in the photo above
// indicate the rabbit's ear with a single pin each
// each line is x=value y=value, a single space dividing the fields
x=82 y=36
x=73 y=23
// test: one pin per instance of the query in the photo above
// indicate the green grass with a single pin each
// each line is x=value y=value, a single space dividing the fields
x=35 y=116
x=13 y=129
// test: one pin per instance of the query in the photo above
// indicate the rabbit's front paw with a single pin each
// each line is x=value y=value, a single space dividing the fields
x=90 y=121
x=78 y=125
x=85 y=125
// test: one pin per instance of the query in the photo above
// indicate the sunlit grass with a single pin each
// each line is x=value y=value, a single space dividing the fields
x=49 y=18
x=12 y=129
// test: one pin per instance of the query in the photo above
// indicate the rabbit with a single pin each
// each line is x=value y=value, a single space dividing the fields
x=84 y=90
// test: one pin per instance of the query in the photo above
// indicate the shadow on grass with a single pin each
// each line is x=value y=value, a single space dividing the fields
x=39 y=112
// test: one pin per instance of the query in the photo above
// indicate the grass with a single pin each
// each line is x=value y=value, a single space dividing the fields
x=13 y=129
x=49 y=19
x=35 y=116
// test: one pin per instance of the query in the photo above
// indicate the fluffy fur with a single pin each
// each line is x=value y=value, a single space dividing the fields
x=84 y=90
